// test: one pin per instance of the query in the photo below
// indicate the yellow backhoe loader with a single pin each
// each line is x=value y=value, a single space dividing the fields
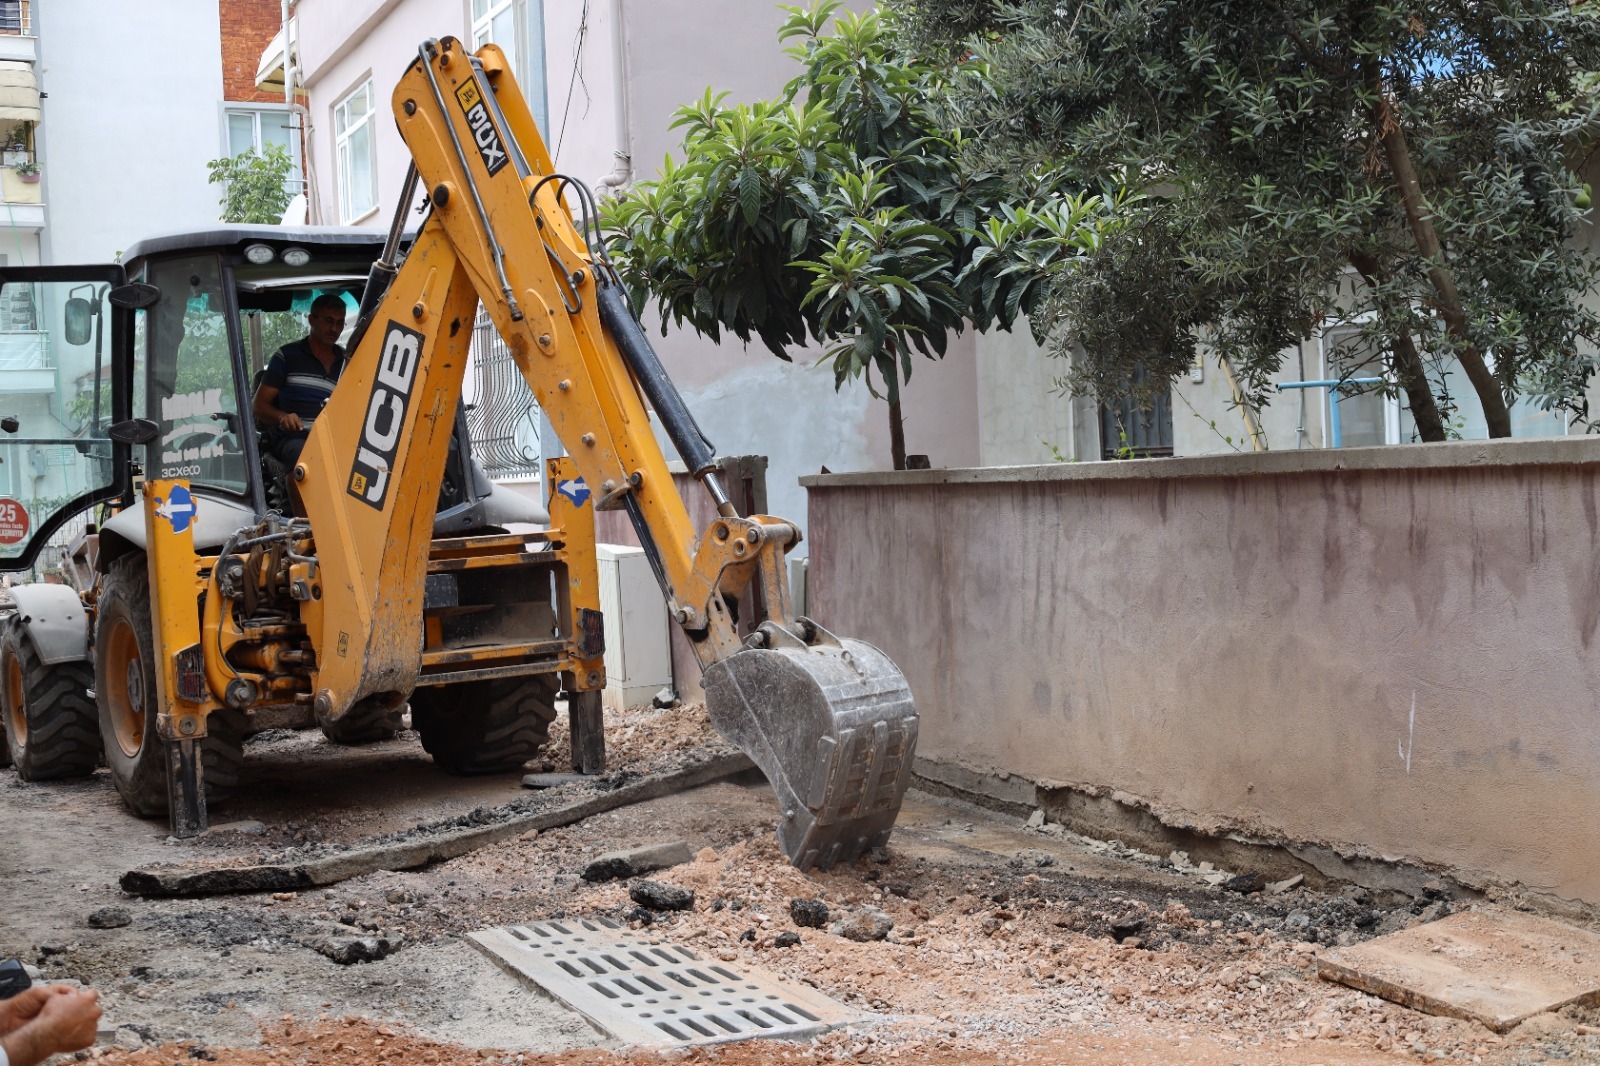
x=206 y=603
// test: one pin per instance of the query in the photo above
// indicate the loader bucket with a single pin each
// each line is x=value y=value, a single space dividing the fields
x=832 y=725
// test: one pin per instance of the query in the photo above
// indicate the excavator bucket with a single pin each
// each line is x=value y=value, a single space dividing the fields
x=831 y=724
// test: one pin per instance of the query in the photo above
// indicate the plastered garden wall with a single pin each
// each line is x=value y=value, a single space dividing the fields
x=1389 y=653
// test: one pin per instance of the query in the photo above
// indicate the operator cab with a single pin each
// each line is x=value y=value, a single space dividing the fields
x=177 y=335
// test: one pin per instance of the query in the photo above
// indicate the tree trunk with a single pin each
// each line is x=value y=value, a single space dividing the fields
x=1393 y=138
x=897 y=427
x=1407 y=361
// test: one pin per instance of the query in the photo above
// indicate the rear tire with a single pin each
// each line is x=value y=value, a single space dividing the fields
x=372 y=719
x=485 y=727
x=125 y=690
x=49 y=717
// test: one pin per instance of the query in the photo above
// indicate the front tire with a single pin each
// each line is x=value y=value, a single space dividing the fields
x=485 y=727
x=49 y=718
x=125 y=691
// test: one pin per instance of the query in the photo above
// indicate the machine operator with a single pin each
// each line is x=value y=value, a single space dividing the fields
x=298 y=380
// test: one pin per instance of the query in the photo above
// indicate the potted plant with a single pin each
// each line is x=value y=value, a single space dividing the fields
x=28 y=171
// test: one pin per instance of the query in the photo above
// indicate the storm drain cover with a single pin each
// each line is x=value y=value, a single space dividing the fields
x=643 y=990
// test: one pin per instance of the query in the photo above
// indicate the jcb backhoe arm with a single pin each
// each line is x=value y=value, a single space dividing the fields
x=830 y=720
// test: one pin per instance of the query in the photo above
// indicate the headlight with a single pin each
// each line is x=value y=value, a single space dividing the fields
x=296 y=257
x=259 y=254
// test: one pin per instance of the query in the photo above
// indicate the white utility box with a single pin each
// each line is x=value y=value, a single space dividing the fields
x=638 y=655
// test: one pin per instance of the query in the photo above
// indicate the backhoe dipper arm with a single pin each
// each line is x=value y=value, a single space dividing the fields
x=830 y=721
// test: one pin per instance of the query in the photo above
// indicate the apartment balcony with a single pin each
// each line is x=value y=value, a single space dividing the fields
x=26 y=362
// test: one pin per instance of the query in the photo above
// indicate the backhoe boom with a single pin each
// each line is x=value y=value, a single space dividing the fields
x=829 y=720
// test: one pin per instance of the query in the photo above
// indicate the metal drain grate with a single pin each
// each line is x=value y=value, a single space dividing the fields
x=643 y=990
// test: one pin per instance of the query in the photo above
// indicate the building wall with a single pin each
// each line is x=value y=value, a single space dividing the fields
x=341 y=45
x=247 y=26
x=130 y=123
x=1386 y=652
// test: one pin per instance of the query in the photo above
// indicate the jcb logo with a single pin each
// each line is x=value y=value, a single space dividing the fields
x=483 y=131
x=386 y=415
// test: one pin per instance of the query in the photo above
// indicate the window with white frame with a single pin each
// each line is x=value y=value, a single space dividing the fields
x=517 y=26
x=356 y=154
x=253 y=129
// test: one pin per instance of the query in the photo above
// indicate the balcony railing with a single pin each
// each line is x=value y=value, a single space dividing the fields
x=15 y=18
x=24 y=349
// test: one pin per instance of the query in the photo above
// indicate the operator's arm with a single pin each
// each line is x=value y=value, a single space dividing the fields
x=264 y=404
x=59 y=1019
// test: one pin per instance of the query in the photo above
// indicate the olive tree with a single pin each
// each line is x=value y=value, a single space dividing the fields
x=1410 y=165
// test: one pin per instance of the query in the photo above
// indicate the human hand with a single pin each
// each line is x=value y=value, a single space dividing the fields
x=69 y=1018
x=48 y=1021
x=24 y=1006
x=291 y=423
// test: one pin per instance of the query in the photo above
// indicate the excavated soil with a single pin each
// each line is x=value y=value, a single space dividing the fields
x=1008 y=944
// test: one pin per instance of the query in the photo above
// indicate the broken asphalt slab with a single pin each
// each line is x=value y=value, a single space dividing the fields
x=1496 y=969
x=421 y=848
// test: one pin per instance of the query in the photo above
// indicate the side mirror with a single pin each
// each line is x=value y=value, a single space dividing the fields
x=78 y=320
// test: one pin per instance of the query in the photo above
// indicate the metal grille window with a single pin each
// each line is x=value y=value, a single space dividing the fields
x=15 y=17
x=502 y=418
x=1134 y=428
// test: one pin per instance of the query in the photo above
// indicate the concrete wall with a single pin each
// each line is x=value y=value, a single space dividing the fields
x=130 y=122
x=1384 y=652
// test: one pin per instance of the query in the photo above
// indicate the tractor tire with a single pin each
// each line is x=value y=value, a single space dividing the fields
x=125 y=689
x=485 y=727
x=372 y=719
x=49 y=717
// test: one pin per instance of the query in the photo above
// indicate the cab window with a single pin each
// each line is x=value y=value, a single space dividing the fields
x=191 y=391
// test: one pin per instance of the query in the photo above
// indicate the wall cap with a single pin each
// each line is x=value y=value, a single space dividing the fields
x=1453 y=455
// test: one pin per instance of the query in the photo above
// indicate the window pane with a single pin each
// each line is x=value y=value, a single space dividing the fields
x=363 y=179
x=339 y=121
x=191 y=378
x=48 y=381
x=241 y=132
x=479 y=9
x=275 y=129
x=504 y=34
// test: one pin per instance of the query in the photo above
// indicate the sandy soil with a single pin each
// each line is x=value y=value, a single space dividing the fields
x=1008 y=944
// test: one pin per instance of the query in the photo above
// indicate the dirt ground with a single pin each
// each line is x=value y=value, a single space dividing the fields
x=1009 y=944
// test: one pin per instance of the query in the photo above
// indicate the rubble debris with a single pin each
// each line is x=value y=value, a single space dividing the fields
x=633 y=862
x=1126 y=928
x=664 y=699
x=809 y=913
x=1278 y=888
x=786 y=939
x=1036 y=819
x=348 y=950
x=109 y=918
x=660 y=896
x=863 y=925
x=1245 y=884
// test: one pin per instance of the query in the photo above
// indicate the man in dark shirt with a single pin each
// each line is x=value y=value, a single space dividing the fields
x=298 y=380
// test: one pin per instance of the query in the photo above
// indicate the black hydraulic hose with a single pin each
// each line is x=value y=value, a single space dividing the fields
x=698 y=454
x=383 y=271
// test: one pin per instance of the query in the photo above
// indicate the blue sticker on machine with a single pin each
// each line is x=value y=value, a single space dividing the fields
x=574 y=490
x=178 y=508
